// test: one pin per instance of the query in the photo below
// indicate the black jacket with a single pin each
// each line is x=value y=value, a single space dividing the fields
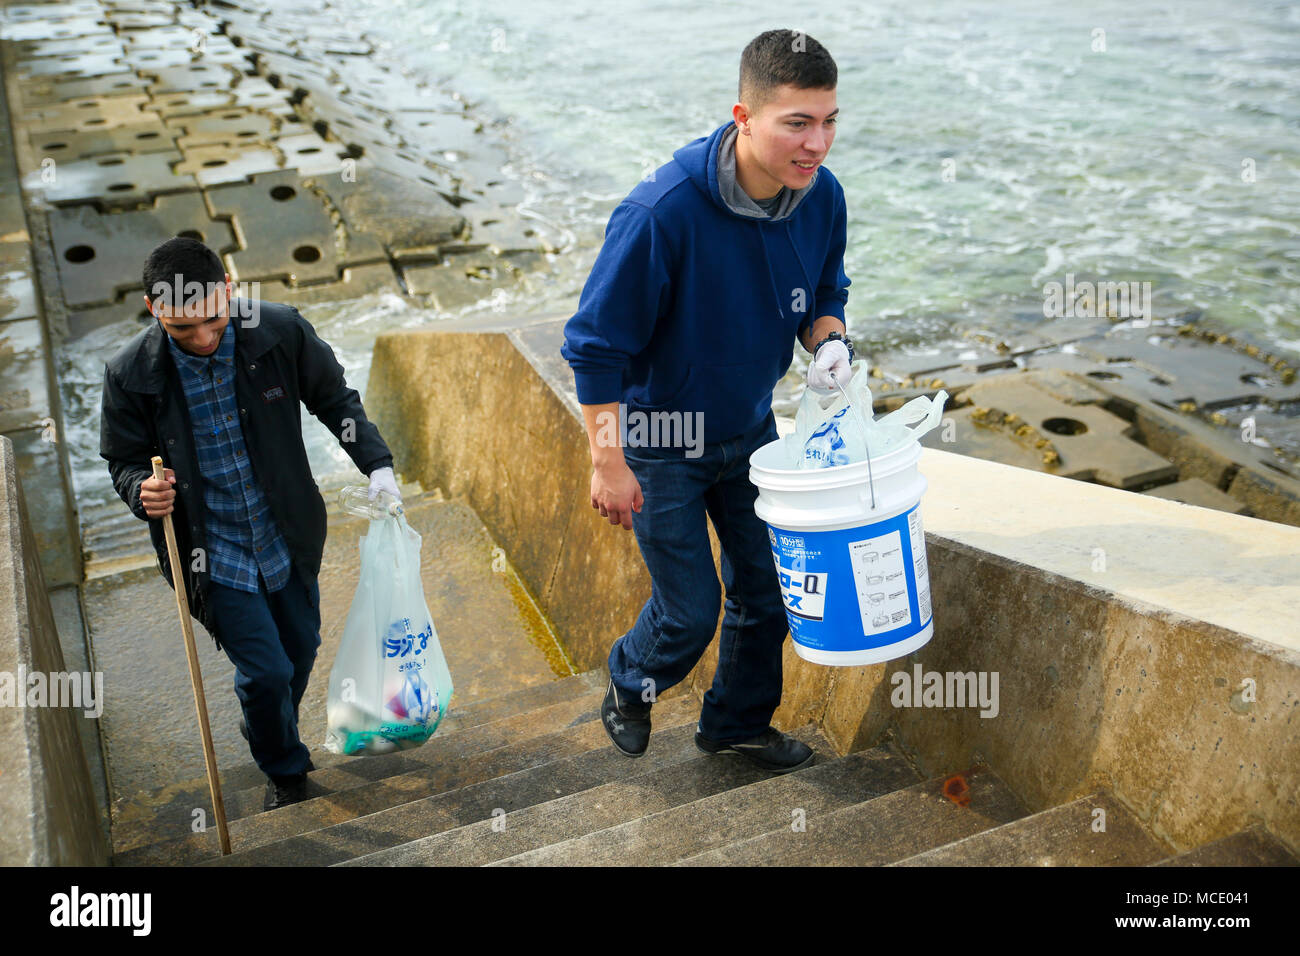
x=279 y=361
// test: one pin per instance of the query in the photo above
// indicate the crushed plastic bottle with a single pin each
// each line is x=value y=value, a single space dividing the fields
x=355 y=499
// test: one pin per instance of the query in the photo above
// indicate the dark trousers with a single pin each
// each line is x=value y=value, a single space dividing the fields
x=271 y=637
x=677 y=623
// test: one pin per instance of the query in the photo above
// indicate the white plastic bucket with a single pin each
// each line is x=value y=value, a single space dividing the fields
x=854 y=578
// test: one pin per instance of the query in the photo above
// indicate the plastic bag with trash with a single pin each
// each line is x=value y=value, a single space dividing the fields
x=389 y=687
x=837 y=427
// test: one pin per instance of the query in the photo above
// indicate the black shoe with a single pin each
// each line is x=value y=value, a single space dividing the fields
x=243 y=728
x=771 y=750
x=627 y=723
x=284 y=792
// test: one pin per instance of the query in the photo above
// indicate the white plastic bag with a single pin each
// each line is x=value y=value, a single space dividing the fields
x=837 y=427
x=389 y=686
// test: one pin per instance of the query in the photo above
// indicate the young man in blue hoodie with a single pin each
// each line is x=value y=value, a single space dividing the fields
x=711 y=269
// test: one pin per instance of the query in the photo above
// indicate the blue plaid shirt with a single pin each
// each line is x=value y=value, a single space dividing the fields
x=242 y=535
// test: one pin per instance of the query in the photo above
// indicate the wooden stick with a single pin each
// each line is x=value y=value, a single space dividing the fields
x=196 y=676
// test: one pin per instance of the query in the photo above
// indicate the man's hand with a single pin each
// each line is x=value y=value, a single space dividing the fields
x=382 y=479
x=157 y=494
x=616 y=493
x=832 y=359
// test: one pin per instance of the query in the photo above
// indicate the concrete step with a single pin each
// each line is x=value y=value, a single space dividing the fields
x=613 y=803
x=663 y=835
x=1253 y=846
x=493 y=636
x=1062 y=836
x=337 y=792
x=141 y=820
x=887 y=828
x=474 y=803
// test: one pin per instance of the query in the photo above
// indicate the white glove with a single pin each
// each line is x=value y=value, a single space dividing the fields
x=833 y=357
x=381 y=479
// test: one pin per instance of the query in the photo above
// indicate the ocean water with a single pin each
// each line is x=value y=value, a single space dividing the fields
x=1132 y=143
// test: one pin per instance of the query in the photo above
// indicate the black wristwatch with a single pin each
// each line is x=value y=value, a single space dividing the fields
x=835 y=337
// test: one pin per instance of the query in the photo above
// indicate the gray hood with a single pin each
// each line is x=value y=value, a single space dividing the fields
x=739 y=201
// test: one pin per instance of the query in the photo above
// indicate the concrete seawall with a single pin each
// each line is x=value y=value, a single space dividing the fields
x=48 y=803
x=1142 y=644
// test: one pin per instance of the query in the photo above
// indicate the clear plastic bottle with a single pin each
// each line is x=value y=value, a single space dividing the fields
x=355 y=499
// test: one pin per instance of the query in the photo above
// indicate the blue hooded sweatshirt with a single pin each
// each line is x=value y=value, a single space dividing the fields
x=694 y=307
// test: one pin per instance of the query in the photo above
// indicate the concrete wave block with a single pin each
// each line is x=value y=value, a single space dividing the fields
x=310 y=154
x=1092 y=443
x=130 y=315
x=216 y=164
x=193 y=77
x=100 y=255
x=255 y=93
x=288 y=232
x=411 y=219
x=164 y=35
x=112 y=179
x=156 y=58
x=1205 y=374
x=1196 y=491
x=92 y=44
x=230 y=128
x=151 y=136
x=90 y=113
x=914 y=362
x=50 y=91
x=52 y=22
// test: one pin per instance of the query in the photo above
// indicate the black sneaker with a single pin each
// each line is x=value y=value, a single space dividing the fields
x=771 y=750
x=284 y=792
x=627 y=723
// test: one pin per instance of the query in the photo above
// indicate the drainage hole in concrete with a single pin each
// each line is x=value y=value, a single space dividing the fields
x=1161 y=380
x=1104 y=376
x=1258 y=380
x=50 y=146
x=247 y=132
x=146 y=135
x=306 y=254
x=232 y=115
x=283 y=193
x=121 y=187
x=110 y=162
x=79 y=254
x=309 y=149
x=214 y=162
x=100 y=121
x=1065 y=426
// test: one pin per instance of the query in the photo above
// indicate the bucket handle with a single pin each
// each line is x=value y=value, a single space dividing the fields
x=857 y=416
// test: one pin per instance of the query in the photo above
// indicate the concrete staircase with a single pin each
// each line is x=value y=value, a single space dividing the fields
x=529 y=778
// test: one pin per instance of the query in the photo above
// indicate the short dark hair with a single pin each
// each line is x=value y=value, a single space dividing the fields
x=188 y=258
x=783 y=57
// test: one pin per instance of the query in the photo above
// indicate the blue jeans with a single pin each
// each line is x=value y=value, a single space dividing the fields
x=677 y=623
x=271 y=638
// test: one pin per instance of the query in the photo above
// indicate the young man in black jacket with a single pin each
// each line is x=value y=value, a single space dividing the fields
x=213 y=388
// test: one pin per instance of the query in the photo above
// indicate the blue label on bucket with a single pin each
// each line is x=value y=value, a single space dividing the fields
x=856 y=588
